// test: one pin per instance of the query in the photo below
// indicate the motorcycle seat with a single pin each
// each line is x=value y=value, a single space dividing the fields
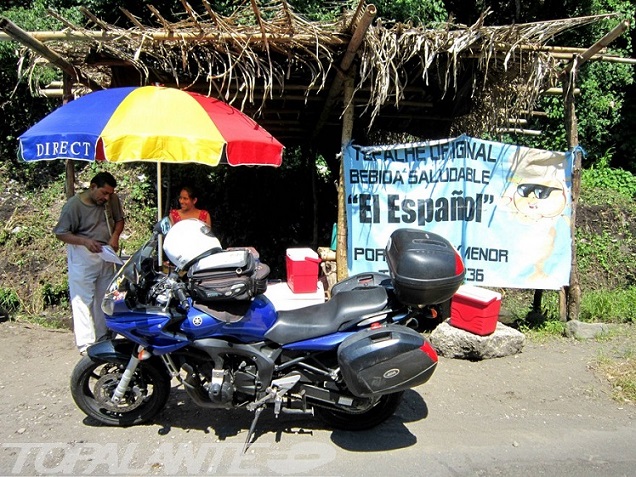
x=343 y=310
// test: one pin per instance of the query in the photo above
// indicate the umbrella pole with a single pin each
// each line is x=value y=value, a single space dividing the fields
x=159 y=200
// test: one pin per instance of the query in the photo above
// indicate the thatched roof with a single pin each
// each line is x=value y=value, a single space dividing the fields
x=288 y=72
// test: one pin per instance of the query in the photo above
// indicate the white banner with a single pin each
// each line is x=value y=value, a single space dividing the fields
x=505 y=208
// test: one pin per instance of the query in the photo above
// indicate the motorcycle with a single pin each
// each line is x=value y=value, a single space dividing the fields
x=209 y=325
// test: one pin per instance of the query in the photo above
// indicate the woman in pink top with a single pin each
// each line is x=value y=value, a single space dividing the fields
x=188 y=210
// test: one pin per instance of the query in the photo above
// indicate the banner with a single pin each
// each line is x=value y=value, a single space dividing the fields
x=505 y=208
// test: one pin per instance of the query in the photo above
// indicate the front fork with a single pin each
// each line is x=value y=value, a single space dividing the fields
x=141 y=355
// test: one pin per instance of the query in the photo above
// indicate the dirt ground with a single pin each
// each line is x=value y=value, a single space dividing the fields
x=541 y=412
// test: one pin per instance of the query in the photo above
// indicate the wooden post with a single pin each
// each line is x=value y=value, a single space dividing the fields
x=67 y=95
x=572 y=293
x=347 y=131
x=570 y=296
x=311 y=158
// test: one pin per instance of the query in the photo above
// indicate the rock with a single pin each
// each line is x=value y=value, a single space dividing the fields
x=453 y=342
x=585 y=331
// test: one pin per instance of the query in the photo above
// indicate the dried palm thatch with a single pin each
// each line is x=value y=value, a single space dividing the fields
x=252 y=50
x=511 y=66
x=269 y=60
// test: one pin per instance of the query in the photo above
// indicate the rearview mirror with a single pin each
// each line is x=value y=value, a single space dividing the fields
x=163 y=226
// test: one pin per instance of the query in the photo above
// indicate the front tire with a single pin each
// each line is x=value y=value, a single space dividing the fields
x=377 y=413
x=93 y=383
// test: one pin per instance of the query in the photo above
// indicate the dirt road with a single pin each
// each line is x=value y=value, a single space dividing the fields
x=541 y=412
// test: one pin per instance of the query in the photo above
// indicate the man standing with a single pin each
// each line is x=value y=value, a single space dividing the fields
x=90 y=220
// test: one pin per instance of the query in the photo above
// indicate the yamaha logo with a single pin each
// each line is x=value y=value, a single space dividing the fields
x=197 y=321
x=391 y=373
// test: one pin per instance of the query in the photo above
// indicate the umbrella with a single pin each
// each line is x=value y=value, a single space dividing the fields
x=150 y=123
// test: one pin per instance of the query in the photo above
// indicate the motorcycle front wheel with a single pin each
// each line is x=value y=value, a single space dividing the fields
x=376 y=413
x=94 y=382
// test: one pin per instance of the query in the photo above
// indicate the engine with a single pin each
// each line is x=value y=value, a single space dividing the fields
x=233 y=386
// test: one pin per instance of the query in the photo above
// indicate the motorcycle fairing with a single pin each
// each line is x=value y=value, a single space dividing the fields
x=111 y=350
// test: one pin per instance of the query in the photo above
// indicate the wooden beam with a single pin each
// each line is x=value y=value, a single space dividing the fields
x=334 y=91
x=604 y=58
x=27 y=40
x=52 y=92
x=568 y=52
x=530 y=113
x=526 y=132
x=559 y=91
x=413 y=104
x=65 y=35
x=614 y=33
x=410 y=117
x=186 y=36
x=87 y=13
x=517 y=121
x=617 y=31
x=132 y=19
x=165 y=23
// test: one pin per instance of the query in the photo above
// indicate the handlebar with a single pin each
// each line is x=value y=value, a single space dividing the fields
x=183 y=300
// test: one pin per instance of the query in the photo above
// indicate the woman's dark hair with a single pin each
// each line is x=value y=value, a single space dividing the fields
x=191 y=192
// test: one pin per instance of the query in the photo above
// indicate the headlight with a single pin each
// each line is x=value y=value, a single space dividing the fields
x=108 y=304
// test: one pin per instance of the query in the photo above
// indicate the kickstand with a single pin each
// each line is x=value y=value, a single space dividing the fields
x=257 y=414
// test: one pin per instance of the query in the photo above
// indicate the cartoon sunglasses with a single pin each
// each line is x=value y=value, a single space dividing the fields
x=540 y=191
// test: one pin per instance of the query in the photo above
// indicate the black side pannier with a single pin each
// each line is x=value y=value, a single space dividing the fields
x=385 y=360
x=227 y=275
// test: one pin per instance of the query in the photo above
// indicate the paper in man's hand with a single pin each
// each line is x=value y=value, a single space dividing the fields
x=109 y=255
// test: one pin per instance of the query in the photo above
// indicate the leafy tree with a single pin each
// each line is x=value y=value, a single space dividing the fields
x=20 y=109
x=605 y=108
x=605 y=88
x=413 y=11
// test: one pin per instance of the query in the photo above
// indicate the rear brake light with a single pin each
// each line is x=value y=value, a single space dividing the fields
x=429 y=351
x=459 y=264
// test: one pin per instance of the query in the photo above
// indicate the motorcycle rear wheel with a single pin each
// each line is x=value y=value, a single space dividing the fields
x=380 y=411
x=93 y=383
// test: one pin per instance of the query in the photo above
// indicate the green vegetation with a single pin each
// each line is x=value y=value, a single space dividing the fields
x=601 y=177
x=619 y=368
x=615 y=306
x=9 y=301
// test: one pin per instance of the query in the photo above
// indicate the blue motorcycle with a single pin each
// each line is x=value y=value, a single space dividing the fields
x=208 y=325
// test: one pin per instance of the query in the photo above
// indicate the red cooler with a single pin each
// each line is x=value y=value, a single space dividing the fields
x=475 y=310
x=302 y=270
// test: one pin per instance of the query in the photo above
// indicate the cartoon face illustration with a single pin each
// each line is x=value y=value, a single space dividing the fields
x=540 y=200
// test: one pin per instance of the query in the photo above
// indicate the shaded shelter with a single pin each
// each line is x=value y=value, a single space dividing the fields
x=287 y=72
x=316 y=85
